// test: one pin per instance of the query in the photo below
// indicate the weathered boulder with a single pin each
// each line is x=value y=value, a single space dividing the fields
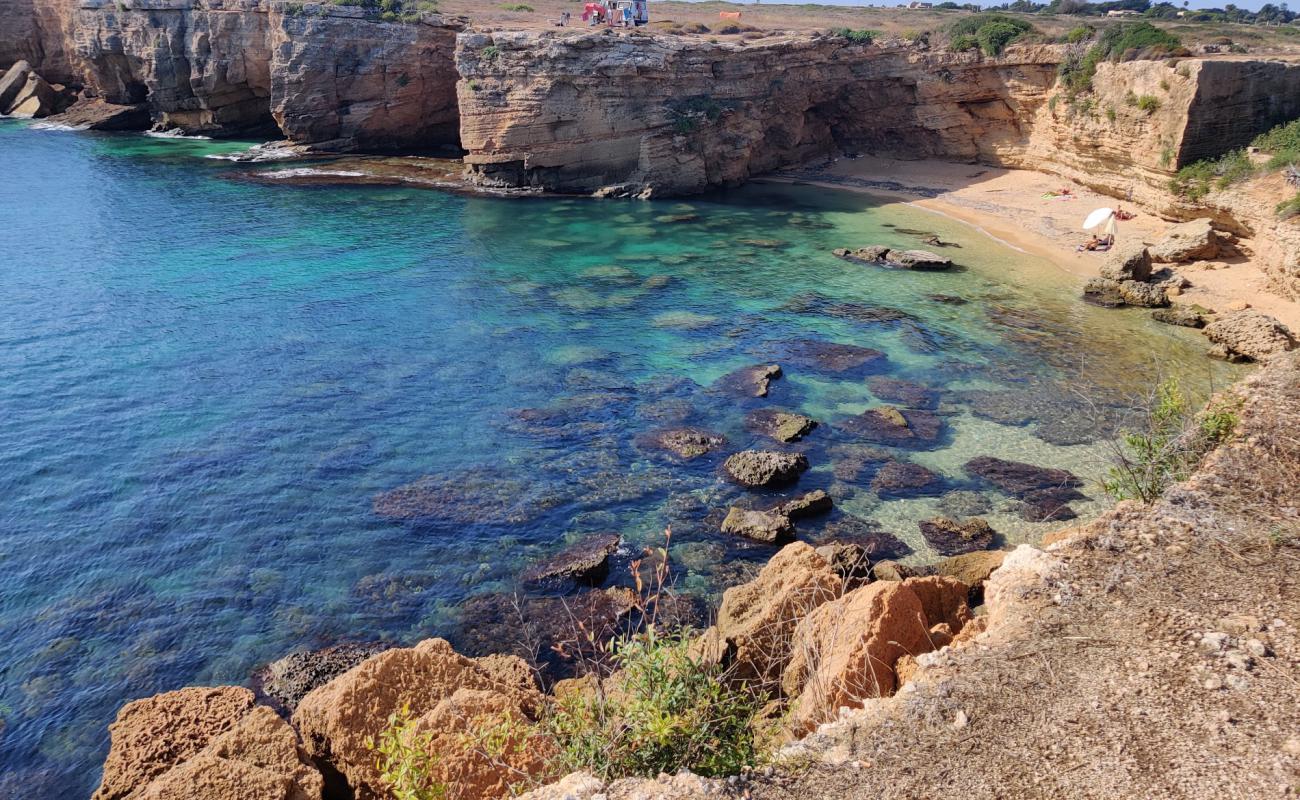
x=765 y=468
x=94 y=114
x=972 y=569
x=905 y=479
x=685 y=443
x=13 y=81
x=868 y=534
x=806 y=505
x=762 y=526
x=1048 y=505
x=1251 y=335
x=1186 y=316
x=1103 y=292
x=894 y=571
x=1146 y=295
x=287 y=680
x=585 y=561
x=204 y=742
x=750 y=381
x=1129 y=262
x=951 y=537
x=919 y=259
x=258 y=759
x=35 y=99
x=336 y=719
x=1189 y=241
x=871 y=254
x=845 y=651
x=756 y=619
x=783 y=426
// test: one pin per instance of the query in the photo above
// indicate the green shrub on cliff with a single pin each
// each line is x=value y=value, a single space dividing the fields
x=862 y=36
x=403 y=759
x=664 y=712
x=1170 y=444
x=1282 y=144
x=992 y=31
x=1139 y=40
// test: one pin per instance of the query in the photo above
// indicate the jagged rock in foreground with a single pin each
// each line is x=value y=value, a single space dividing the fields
x=447 y=694
x=205 y=742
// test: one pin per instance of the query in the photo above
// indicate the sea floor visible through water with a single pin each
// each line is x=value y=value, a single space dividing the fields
x=211 y=385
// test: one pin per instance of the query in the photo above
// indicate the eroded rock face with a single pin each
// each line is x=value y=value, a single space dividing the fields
x=537 y=108
x=845 y=651
x=1130 y=262
x=345 y=79
x=336 y=719
x=685 y=443
x=756 y=619
x=204 y=742
x=783 y=426
x=1251 y=335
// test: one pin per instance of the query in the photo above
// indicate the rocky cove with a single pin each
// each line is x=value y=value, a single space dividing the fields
x=536 y=405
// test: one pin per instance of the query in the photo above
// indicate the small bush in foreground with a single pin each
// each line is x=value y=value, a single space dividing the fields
x=663 y=712
x=403 y=759
x=1171 y=444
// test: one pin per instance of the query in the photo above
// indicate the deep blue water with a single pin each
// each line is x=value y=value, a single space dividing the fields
x=205 y=383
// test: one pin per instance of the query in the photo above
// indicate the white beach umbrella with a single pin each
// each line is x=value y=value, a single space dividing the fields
x=1097 y=217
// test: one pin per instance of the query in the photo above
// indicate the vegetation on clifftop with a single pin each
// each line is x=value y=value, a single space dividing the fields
x=1134 y=42
x=991 y=33
x=1281 y=144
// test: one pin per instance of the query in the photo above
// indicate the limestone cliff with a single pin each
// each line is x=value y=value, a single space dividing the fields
x=663 y=115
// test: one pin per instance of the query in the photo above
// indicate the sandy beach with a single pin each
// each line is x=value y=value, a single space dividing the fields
x=1013 y=206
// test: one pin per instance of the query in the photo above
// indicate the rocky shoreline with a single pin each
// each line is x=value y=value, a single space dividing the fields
x=828 y=629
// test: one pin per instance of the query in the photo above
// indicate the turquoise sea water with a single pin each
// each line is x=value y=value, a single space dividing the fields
x=205 y=383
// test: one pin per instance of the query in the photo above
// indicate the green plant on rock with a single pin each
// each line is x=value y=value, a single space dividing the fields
x=663 y=711
x=1288 y=208
x=1170 y=444
x=964 y=42
x=1148 y=103
x=1131 y=42
x=992 y=31
x=857 y=36
x=403 y=757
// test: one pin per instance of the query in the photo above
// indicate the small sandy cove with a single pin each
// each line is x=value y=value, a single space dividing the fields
x=1010 y=205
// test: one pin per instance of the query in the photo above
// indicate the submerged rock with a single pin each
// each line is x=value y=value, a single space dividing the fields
x=750 y=381
x=685 y=443
x=289 y=679
x=849 y=462
x=904 y=393
x=585 y=561
x=1103 y=292
x=904 y=479
x=950 y=537
x=771 y=527
x=783 y=426
x=964 y=503
x=1251 y=335
x=1186 y=316
x=831 y=356
x=765 y=468
x=1019 y=479
x=874 y=540
x=889 y=425
x=475 y=496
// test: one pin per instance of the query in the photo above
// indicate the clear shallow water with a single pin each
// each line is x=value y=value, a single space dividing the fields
x=206 y=382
